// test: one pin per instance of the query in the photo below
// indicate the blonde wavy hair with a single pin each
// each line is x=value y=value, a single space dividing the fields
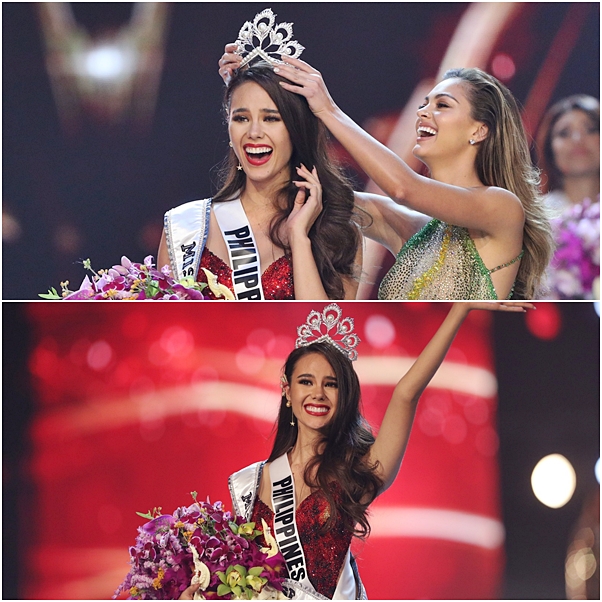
x=503 y=160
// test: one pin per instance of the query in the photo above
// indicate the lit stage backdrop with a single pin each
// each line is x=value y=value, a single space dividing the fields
x=140 y=404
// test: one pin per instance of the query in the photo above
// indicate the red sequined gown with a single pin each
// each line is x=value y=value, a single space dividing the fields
x=324 y=553
x=277 y=279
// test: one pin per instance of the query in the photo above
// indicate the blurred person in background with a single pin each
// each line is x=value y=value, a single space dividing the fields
x=569 y=143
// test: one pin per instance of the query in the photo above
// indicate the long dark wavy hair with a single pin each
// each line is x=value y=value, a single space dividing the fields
x=503 y=160
x=340 y=455
x=334 y=235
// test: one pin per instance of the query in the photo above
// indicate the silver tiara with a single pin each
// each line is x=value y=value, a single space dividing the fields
x=329 y=328
x=261 y=38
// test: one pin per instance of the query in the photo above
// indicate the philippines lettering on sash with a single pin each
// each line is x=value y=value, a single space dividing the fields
x=245 y=263
x=283 y=498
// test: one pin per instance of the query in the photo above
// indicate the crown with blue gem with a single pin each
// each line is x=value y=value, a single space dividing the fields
x=328 y=327
x=263 y=39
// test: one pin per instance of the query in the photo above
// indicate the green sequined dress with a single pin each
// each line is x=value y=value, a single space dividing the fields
x=440 y=262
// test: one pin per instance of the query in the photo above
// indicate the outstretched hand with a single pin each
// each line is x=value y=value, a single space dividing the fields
x=308 y=204
x=507 y=306
x=305 y=81
x=229 y=62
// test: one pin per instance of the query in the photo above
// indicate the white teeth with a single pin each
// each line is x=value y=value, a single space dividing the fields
x=427 y=130
x=257 y=151
x=315 y=409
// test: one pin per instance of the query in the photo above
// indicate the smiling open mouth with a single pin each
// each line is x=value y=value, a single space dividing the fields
x=316 y=410
x=425 y=132
x=258 y=155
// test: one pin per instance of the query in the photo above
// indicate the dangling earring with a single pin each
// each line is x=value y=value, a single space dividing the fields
x=290 y=405
x=283 y=385
x=239 y=166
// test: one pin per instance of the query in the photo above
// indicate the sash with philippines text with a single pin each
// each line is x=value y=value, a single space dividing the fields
x=242 y=249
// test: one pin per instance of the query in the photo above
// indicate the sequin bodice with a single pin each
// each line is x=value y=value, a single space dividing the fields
x=440 y=262
x=277 y=280
x=324 y=553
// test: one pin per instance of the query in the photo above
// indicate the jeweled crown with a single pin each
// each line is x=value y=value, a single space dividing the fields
x=328 y=327
x=263 y=38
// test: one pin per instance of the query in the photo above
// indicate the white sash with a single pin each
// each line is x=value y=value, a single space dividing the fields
x=285 y=524
x=186 y=228
x=244 y=486
x=242 y=249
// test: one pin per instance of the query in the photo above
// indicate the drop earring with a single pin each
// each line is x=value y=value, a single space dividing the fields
x=239 y=166
x=290 y=405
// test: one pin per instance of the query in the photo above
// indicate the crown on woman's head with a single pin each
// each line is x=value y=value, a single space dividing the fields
x=328 y=327
x=261 y=38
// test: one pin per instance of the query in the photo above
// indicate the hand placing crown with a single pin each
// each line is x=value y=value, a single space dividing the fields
x=263 y=39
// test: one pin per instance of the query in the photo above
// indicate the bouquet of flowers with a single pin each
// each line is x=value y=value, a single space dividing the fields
x=575 y=270
x=137 y=281
x=203 y=544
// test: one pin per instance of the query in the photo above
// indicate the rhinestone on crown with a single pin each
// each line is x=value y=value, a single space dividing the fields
x=262 y=38
x=329 y=328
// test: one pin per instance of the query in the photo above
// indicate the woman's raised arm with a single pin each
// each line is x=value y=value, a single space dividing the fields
x=490 y=210
x=394 y=432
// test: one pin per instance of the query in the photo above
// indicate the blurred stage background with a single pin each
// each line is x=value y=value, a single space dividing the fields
x=112 y=110
x=109 y=409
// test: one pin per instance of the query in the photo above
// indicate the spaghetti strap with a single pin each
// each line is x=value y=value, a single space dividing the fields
x=505 y=265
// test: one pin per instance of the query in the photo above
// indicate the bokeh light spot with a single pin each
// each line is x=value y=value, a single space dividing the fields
x=597 y=470
x=105 y=62
x=380 y=331
x=545 y=322
x=99 y=355
x=454 y=429
x=553 y=480
x=177 y=341
x=476 y=411
x=250 y=360
x=503 y=67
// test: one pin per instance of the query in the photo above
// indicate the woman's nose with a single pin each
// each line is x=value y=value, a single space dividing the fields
x=255 y=129
x=422 y=112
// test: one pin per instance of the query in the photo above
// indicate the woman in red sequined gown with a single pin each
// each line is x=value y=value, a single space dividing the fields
x=336 y=464
x=298 y=204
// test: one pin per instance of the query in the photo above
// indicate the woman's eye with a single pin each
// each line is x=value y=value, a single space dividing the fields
x=272 y=118
x=332 y=384
x=239 y=118
x=305 y=382
x=422 y=106
x=442 y=105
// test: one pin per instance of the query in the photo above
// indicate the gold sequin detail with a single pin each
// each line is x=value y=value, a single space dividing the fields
x=440 y=262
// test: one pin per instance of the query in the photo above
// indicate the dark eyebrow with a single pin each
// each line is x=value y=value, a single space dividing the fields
x=245 y=110
x=442 y=94
x=312 y=376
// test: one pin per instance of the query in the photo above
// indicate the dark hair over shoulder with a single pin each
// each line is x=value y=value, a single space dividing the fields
x=343 y=450
x=334 y=236
x=503 y=160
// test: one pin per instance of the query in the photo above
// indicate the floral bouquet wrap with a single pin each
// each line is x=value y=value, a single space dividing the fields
x=576 y=263
x=203 y=544
x=137 y=281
